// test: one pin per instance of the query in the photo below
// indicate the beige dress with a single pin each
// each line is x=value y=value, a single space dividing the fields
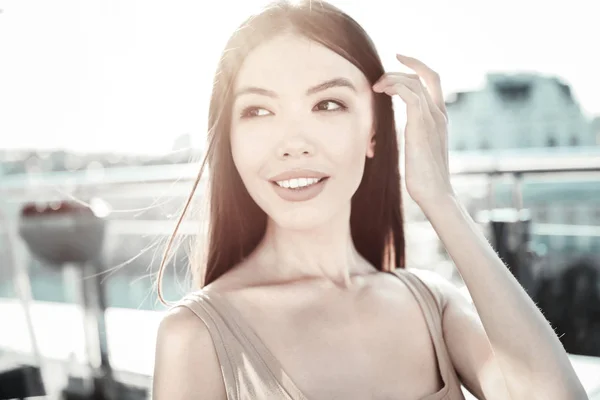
x=249 y=369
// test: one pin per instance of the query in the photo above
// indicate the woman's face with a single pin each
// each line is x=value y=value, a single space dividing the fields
x=301 y=112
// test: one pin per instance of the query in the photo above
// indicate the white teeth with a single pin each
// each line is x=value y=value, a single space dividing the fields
x=297 y=182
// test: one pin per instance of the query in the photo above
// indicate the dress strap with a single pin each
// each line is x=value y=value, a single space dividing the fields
x=220 y=334
x=430 y=300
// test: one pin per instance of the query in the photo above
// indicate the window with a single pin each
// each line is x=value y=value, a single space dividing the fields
x=574 y=141
x=570 y=214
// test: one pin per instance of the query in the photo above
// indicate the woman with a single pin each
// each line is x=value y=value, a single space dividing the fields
x=304 y=293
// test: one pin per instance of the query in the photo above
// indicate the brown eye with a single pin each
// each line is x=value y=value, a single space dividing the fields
x=252 y=112
x=330 y=105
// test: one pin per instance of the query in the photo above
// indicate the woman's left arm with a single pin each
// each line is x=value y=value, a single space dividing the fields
x=507 y=345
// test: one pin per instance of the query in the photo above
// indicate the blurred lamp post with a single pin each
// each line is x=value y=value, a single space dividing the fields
x=69 y=235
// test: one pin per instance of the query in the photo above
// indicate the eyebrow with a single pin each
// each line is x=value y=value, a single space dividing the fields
x=336 y=82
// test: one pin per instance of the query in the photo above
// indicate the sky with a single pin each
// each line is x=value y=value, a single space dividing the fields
x=131 y=76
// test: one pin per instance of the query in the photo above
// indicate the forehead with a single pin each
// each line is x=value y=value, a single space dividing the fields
x=292 y=60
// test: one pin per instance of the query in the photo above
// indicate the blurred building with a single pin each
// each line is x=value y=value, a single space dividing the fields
x=518 y=111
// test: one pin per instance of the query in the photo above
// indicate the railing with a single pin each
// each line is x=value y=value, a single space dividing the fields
x=164 y=188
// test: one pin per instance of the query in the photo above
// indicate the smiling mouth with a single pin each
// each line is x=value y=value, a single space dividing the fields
x=299 y=189
x=298 y=184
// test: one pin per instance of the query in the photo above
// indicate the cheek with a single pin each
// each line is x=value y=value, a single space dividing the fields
x=345 y=140
x=247 y=151
x=348 y=148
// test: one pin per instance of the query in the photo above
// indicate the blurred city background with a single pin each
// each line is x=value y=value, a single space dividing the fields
x=105 y=104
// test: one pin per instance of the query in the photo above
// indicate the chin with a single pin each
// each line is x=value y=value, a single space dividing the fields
x=301 y=218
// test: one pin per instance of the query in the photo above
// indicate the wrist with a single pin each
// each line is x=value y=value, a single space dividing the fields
x=440 y=203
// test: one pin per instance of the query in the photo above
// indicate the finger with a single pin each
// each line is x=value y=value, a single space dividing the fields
x=437 y=115
x=390 y=78
x=415 y=107
x=410 y=97
x=431 y=78
x=390 y=81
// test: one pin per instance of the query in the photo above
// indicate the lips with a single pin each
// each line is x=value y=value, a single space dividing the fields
x=298 y=173
x=300 y=194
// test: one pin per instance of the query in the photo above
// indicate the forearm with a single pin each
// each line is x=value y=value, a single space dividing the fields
x=523 y=340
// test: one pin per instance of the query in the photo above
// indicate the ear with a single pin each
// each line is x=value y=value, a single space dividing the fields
x=371 y=146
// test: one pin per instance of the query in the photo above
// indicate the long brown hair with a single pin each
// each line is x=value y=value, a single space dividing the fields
x=236 y=224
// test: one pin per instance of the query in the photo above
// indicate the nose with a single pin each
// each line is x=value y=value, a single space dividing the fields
x=295 y=147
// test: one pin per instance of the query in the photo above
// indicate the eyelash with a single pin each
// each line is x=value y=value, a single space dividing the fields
x=246 y=113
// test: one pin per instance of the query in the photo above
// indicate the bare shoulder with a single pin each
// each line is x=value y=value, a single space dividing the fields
x=430 y=278
x=444 y=290
x=186 y=364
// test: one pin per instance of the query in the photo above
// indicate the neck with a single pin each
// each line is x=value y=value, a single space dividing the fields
x=324 y=253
